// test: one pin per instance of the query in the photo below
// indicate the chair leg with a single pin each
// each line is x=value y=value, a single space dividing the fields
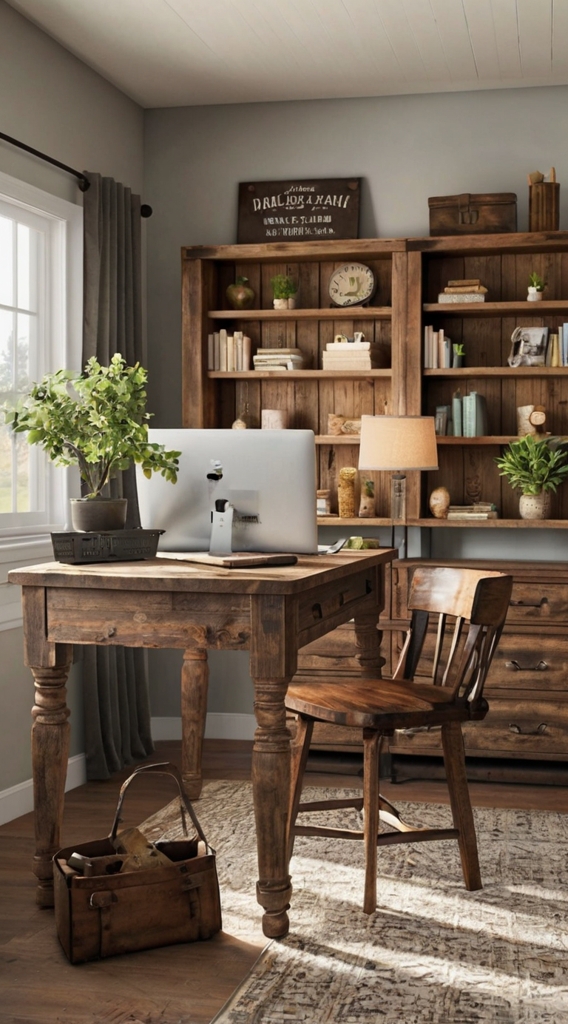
x=454 y=760
x=299 y=751
x=371 y=751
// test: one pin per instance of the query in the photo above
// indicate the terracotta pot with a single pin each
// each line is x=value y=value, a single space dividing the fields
x=93 y=515
x=535 y=506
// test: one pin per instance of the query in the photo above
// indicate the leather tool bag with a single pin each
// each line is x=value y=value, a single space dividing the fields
x=101 y=911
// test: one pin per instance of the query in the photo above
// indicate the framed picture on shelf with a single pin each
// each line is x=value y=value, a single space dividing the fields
x=528 y=346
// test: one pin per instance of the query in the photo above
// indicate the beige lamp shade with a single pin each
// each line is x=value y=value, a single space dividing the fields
x=398 y=443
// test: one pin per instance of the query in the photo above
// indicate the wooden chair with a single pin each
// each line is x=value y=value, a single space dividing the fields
x=470 y=606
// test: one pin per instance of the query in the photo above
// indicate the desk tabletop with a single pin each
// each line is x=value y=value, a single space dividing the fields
x=165 y=573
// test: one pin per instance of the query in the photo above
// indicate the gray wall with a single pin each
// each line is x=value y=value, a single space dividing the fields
x=406 y=148
x=53 y=102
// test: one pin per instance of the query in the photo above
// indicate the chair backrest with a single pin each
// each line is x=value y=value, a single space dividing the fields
x=471 y=607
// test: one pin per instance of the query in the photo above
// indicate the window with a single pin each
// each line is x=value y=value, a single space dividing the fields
x=40 y=331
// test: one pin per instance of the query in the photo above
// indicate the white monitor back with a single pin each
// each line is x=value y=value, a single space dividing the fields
x=268 y=476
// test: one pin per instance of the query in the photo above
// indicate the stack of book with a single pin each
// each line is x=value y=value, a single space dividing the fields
x=279 y=359
x=478 y=511
x=463 y=290
x=437 y=349
x=347 y=355
x=228 y=352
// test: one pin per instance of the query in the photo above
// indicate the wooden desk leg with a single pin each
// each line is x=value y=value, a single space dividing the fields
x=50 y=754
x=368 y=642
x=194 y=686
x=271 y=792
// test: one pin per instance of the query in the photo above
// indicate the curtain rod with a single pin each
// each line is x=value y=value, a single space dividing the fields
x=83 y=182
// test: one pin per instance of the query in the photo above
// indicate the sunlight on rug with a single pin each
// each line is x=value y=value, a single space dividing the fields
x=432 y=953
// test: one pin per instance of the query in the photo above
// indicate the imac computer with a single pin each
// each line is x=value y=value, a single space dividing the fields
x=237 y=491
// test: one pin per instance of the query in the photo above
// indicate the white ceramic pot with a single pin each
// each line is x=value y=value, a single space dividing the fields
x=280 y=303
x=535 y=506
x=534 y=295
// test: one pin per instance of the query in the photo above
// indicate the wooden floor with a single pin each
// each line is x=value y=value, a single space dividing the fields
x=185 y=984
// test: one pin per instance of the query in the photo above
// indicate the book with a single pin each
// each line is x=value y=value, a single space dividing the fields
x=444 y=297
x=342 y=346
x=231 y=353
x=442 y=419
x=457 y=413
x=480 y=516
x=210 y=351
x=463 y=282
x=460 y=288
x=564 y=346
x=474 y=415
x=223 y=350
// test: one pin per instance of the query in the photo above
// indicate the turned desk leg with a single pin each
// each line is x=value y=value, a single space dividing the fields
x=271 y=793
x=50 y=753
x=194 y=686
x=368 y=641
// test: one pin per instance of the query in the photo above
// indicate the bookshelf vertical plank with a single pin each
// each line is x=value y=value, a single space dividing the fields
x=199 y=408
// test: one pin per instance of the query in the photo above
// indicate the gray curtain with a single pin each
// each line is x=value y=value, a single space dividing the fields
x=115 y=684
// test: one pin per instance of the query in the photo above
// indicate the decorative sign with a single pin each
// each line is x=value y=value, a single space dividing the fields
x=293 y=211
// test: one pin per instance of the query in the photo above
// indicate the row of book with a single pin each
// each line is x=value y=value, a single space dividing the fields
x=437 y=349
x=465 y=417
x=465 y=289
x=557 y=347
x=228 y=352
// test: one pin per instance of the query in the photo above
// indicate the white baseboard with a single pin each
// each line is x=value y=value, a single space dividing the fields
x=219 y=726
x=19 y=799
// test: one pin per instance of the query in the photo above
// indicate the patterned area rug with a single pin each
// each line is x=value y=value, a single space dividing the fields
x=432 y=953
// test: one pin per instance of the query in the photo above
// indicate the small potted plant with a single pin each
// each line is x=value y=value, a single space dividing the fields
x=97 y=420
x=284 y=290
x=458 y=355
x=535 y=467
x=536 y=287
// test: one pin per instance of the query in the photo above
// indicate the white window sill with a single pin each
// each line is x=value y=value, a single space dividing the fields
x=15 y=552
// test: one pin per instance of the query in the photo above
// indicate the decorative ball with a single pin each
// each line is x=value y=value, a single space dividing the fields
x=440 y=502
x=240 y=295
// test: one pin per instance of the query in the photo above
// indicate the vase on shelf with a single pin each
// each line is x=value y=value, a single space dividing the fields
x=534 y=294
x=535 y=506
x=240 y=295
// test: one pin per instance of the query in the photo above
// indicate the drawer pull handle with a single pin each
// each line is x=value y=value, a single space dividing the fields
x=528 y=604
x=529 y=732
x=515 y=667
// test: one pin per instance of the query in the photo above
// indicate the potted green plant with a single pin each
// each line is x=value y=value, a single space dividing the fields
x=537 y=284
x=97 y=420
x=284 y=290
x=458 y=356
x=535 y=467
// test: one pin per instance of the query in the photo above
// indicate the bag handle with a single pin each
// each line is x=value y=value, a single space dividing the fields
x=160 y=768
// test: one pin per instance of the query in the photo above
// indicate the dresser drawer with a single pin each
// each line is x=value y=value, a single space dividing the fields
x=533 y=663
x=512 y=728
x=534 y=603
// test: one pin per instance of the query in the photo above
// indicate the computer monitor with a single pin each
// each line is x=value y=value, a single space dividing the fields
x=266 y=476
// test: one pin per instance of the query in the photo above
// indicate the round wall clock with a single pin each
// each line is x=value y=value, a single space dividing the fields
x=351 y=285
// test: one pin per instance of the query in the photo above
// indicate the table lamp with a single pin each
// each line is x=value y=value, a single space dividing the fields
x=398 y=443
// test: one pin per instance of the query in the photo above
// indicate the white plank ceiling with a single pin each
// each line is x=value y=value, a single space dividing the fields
x=167 y=53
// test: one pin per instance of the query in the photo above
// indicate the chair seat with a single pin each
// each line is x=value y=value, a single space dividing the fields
x=379 y=704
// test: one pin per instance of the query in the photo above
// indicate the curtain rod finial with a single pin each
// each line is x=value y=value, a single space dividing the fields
x=145 y=210
x=84 y=184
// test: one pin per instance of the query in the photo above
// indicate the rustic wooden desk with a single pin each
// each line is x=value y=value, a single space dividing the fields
x=168 y=603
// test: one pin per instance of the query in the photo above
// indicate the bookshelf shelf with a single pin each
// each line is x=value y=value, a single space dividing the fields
x=288 y=375
x=481 y=440
x=332 y=313
x=491 y=524
x=547 y=307
x=499 y=371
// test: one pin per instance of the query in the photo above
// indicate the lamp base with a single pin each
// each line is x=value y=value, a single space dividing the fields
x=398 y=498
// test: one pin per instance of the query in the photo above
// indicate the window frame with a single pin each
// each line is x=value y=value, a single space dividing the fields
x=22 y=543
